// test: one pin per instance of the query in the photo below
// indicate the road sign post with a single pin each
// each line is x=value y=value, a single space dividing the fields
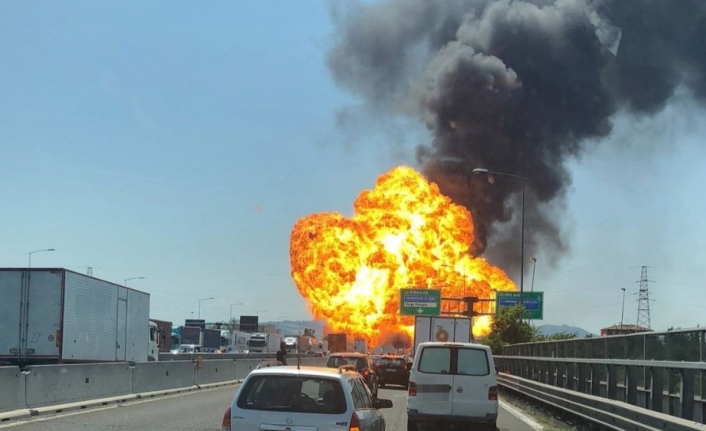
x=533 y=303
x=420 y=302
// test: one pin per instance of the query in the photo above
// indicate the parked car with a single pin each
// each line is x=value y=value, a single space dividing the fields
x=393 y=370
x=287 y=397
x=452 y=383
x=363 y=363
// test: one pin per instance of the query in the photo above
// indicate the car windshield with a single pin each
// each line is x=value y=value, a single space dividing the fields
x=337 y=361
x=297 y=394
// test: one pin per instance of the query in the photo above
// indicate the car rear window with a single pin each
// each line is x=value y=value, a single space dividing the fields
x=472 y=362
x=297 y=394
x=337 y=361
x=393 y=362
x=435 y=360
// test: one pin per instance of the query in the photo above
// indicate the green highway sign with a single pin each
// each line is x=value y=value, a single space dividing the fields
x=533 y=302
x=420 y=302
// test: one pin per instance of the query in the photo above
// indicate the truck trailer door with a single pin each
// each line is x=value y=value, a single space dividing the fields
x=121 y=326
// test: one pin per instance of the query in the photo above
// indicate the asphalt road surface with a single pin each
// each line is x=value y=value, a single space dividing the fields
x=197 y=411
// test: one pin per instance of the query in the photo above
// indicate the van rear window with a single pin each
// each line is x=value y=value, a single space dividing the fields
x=435 y=360
x=472 y=362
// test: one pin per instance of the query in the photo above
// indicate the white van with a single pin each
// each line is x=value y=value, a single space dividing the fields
x=452 y=383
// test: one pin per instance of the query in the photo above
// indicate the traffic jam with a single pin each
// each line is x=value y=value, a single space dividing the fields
x=449 y=381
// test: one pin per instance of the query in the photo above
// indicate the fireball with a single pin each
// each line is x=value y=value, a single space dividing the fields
x=403 y=234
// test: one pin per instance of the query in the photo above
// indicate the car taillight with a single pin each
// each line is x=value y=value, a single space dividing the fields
x=412 y=391
x=225 y=426
x=355 y=423
x=493 y=393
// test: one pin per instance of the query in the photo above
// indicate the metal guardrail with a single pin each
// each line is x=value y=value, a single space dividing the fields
x=607 y=413
x=673 y=389
x=675 y=345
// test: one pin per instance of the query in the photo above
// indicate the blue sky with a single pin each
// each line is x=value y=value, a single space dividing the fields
x=181 y=143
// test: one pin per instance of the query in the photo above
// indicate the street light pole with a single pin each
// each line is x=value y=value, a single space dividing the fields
x=622 y=315
x=29 y=265
x=534 y=268
x=133 y=278
x=231 y=309
x=203 y=299
x=522 y=241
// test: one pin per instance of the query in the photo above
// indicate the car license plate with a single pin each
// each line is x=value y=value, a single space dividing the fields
x=391 y=370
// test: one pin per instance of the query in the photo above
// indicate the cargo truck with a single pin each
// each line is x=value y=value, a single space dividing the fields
x=235 y=341
x=54 y=315
x=360 y=346
x=191 y=335
x=451 y=329
x=164 y=339
x=339 y=343
x=264 y=343
x=211 y=340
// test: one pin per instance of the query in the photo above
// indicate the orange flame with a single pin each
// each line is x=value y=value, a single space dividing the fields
x=404 y=234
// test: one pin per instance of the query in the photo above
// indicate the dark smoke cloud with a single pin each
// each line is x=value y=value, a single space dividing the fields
x=519 y=87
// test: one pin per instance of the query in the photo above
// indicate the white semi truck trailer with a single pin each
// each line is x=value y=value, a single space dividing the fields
x=54 y=315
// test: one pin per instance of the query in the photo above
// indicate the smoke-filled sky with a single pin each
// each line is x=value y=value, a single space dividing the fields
x=181 y=144
x=520 y=87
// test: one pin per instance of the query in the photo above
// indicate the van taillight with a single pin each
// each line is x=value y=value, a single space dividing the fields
x=225 y=426
x=412 y=391
x=493 y=393
x=355 y=423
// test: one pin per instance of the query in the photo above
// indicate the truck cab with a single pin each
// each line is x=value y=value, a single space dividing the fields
x=154 y=339
x=258 y=343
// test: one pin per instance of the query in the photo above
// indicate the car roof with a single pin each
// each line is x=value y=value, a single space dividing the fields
x=441 y=343
x=349 y=354
x=293 y=370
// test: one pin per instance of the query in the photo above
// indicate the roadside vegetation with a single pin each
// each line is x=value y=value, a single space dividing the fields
x=510 y=328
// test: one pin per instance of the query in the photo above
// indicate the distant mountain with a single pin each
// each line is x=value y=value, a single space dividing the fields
x=556 y=329
x=289 y=327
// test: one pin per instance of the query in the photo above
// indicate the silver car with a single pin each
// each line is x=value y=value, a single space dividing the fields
x=316 y=398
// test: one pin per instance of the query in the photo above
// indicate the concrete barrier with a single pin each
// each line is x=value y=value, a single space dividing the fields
x=159 y=376
x=12 y=389
x=47 y=385
x=244 y=366
x=216 y=371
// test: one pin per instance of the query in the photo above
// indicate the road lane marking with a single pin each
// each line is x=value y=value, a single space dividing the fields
x=536 y=426
x=54 y=416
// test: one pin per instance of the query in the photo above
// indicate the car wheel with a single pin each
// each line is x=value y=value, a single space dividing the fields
x=412 y=425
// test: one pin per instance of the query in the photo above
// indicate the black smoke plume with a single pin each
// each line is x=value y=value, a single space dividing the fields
x=518 y=87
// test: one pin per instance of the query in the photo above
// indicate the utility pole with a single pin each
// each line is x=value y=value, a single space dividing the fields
x=622 y=314
x=643 y=301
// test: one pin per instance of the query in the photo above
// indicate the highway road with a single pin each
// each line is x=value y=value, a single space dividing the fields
x=197 y=411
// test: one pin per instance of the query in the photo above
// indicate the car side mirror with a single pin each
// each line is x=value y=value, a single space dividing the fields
x=497 y=370
x=409 y=367
x=383 y=404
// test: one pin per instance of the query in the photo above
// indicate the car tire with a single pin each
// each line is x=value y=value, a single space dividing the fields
x=412 y=425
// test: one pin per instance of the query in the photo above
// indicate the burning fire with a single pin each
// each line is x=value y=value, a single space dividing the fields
x=404 y=234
